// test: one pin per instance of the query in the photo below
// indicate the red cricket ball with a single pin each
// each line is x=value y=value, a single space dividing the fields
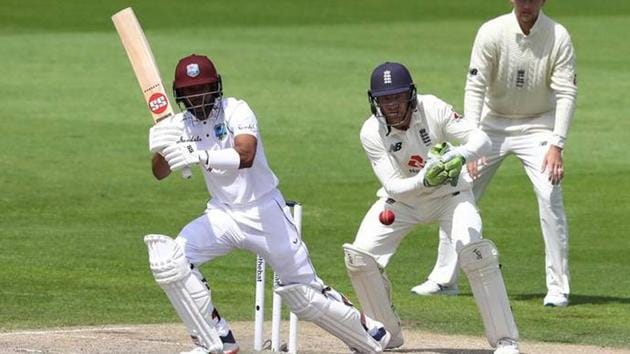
x=386 y=217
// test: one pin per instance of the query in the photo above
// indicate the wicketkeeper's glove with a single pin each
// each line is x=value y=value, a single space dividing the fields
x=435 y=174
x=451 y=160
x=453 y=168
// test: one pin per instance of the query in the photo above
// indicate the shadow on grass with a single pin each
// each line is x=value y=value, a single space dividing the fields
x=575 y=299
x=440 y=350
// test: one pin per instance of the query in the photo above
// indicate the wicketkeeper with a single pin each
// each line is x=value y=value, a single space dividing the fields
x=406 y=141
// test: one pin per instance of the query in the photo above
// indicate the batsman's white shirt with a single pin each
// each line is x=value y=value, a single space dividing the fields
x=397 y=157
x=245 y=185
x=522 y=81
x=246 y=210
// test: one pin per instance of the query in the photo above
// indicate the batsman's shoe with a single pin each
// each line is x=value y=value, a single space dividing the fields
x=382 y=336
x=507 y=346
x=229 y=346
x=430 y=287
x=556 y=300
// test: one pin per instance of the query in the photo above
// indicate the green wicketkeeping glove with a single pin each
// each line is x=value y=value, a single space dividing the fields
x=453 y=167
x=438 y=150
x=435 y=175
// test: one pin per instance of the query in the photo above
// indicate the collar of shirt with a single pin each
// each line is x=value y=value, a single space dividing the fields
x=516 y=28
x=416 y=118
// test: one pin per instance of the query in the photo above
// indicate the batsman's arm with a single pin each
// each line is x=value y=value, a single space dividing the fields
x=160 y=167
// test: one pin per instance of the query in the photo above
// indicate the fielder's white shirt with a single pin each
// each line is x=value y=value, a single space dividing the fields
x=397 y=156
x=513 y=75
x=245 y=185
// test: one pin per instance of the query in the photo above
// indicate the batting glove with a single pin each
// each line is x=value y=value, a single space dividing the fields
x=181 y=155
x=163 y=134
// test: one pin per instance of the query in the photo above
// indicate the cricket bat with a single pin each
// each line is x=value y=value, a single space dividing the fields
x=144 y=66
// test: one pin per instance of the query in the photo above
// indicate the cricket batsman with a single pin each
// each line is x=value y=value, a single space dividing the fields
x=246 y=211
x=521 y=89
x=417 y=145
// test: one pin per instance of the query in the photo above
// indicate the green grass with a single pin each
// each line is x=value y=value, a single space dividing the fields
x=77 y=193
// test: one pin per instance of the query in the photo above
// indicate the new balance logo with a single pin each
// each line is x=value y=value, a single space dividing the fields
x=387 y=77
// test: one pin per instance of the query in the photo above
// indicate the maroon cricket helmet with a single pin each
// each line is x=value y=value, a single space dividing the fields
x=195 y=70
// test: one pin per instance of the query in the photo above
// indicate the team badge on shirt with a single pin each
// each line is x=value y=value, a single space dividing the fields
x=220 y=131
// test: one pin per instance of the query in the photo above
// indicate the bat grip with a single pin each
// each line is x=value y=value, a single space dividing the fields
x=186 y=173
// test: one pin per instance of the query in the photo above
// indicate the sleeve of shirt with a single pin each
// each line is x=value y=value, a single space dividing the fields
x=391 y=180
x=473 y=142
x=564 y=84
x=479 y=74
x=243 y=120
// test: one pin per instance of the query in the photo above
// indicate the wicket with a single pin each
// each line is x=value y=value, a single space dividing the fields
x=259 y=308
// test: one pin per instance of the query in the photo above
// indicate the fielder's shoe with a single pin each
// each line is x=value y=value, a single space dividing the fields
x=507 y=346
x=556 y=300
x=430 y=287
x=229 y=346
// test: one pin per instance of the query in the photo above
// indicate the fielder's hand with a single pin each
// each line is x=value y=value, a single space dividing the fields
x=475 y=166
x=182 y=155
x=553 y=164
x=163 y=134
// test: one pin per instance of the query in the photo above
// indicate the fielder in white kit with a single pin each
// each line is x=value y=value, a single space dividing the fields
x=246 y=211
x=422 y=182
x=522 y=89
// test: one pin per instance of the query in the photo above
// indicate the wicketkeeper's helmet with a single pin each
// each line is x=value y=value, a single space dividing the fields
x=390 y=79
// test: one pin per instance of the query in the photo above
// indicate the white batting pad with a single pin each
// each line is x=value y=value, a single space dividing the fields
x=189 y=296
x=341 y=320
x=480 y=262
x=373 y=290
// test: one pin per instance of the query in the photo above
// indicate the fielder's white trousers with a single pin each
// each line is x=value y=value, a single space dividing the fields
x=529 y=145
x=265 y=228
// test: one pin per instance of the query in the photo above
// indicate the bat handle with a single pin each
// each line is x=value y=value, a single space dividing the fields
x=186 y=173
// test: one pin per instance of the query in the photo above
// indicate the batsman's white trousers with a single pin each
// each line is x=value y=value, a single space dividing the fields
x=528 y=140
x=456 y=214
x=265 y=228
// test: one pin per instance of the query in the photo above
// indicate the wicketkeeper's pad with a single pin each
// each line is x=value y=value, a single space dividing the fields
x=480 y=262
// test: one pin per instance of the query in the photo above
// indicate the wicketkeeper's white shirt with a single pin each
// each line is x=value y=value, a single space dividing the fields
x=513 y=75
x=245 y=185
x=397 y=156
